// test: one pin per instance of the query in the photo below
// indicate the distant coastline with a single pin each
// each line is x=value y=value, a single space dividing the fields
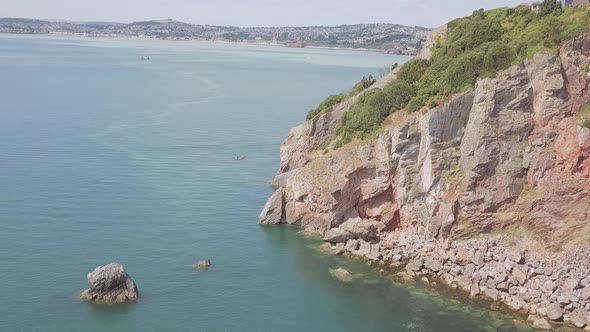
x=384 y=38
x=221 y=42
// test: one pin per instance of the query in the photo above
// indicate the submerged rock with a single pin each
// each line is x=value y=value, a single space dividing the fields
x=203 y=264
x=110 y=284
x=405 y=277
x=336 y=249
x=342 y=274
x=541 y=324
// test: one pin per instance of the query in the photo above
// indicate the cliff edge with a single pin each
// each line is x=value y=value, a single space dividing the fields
x=489 y=191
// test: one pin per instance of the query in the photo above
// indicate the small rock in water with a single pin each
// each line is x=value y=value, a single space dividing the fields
x=405 y=277
x=341 y=274
x=203 y=264
x=337 y=249
x=110 y=284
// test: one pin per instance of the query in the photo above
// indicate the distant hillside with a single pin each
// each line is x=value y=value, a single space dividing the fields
x=393 y=38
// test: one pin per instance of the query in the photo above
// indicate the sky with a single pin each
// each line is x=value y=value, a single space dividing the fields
x=427 y=13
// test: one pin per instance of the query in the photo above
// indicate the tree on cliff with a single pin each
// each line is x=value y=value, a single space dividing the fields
x=479 y=13
x=364 y=84
x=549 y=7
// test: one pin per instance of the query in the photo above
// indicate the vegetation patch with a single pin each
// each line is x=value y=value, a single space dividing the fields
x=362 y=85
x=584 y=116
x=454 y=177
x=333 y=100
x=326 y=104
x=475 y=47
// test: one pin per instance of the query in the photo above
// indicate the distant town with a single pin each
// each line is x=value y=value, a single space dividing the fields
x=387 y=38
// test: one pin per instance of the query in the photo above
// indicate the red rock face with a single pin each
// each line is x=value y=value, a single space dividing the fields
x=559 y=173
x=573 y=143
x=573 y=149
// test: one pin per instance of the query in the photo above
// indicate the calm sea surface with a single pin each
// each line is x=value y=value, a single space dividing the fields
x=104 y=157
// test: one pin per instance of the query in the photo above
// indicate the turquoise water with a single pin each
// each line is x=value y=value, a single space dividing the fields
x=104 y=158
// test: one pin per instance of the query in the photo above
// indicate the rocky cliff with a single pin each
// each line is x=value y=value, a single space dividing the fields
x=509 y=158
x=511 y=152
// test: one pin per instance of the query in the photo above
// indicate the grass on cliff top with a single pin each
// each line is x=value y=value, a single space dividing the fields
x=474 y=47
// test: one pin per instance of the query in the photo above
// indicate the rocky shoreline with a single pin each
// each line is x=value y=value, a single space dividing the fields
x=552 y=289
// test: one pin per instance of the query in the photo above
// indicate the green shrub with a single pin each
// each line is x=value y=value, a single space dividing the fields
x=359 y=122
x=332 y=100
x=550 y=7
x=584 y=116
x=474 y=47
x=327 y=103
x=412 y=70
x=363 y=84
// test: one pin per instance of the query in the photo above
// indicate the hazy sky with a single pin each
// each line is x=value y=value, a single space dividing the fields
x=428 y=13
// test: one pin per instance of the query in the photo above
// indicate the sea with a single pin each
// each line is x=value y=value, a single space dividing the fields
x=159 y=163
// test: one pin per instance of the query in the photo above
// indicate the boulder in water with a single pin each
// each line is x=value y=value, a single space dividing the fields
x=342 y=274
x=203 y=264
x=541 y=324
x=110 y=284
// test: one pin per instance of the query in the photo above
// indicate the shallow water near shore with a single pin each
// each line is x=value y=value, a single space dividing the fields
x=104 y=157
